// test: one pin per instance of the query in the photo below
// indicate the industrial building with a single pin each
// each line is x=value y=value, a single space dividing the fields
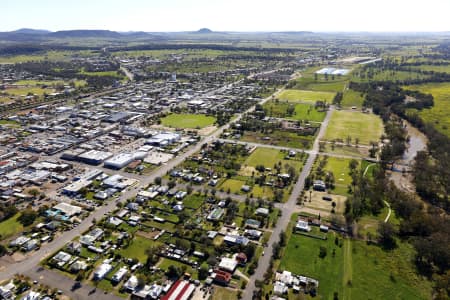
x=119 y=161
x=94 y=157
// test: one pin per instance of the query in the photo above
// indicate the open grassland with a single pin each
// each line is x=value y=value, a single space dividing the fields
x=49 y=55
x=387 y=75
x=301 y=257
x=365 y=127
x=380 y=274
x=10 y=227
x=78 y=83
x=187 y=121
x=440 y=69
x=356 y=270
x=309 y=81
x=279 y=138
x=439 y=114
x=307 y=112
x=264 y=156
x=306 y=96
x=352 y=98
x=102 y=73
x=24 y=91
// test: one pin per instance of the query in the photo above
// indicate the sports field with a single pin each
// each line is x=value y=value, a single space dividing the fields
x=187 y=121
x=365 y=127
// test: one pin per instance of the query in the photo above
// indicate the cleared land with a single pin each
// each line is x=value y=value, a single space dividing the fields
x=187 y=121
x=137 y=248
x=352 y=98
x=356 y=270
x=365 y=127
x=306 y=96
x=307 y=112
x=10 y=227
x=439 y=114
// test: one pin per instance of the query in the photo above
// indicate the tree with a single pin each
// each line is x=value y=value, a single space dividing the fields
x=322 y=252
x=158 y=180
x=386 y=235
x=203 y=272
x=27 y=217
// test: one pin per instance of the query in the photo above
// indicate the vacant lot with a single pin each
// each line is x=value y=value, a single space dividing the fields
x=352 y=98
x=187 y=121
x=264 y=156
x=357 y=125
x=10 y=227
x=439 y=114
x=306 y=96
x=302 y=258
x=307 y=112
x=356 y=270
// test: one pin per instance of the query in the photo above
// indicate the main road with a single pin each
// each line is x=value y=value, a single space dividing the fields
x=286 y=211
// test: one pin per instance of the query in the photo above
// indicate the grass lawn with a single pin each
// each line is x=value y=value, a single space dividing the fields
x=308 y=96
x=301 y=257
x=358 y=270
x=10 y=227
x=352 y=98
x=222 y=293
x=193 y=201
x=434 y=68
x=365 y=127
x=187 y=121
x=137 y=248
x=439 y=114
x=264 y=156
x=340 y=169
x=165 y=263
x=379 y=274
x=233 y=184
x=280 y=138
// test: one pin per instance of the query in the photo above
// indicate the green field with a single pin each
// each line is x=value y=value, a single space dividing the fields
x=10 y=227
x=387 y=75
x=340 y=169
x=440 y=69
x=302 y=111
x=102 y=73
x=306 y=96
x=264 y=156
x=301 y=257
x=137 y=248
x=24 y=91
x=308 y=81
x=352 y=98
x=222 y=293
x=187 y=121
x=233 y=184
x=78 y=83
x=439 y=114
x=357 y=270
x=365 y=127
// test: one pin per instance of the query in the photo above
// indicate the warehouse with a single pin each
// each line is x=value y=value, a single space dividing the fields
x=94 y=157
x=119 y=161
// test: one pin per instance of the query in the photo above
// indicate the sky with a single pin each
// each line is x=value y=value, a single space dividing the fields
x=227 y=15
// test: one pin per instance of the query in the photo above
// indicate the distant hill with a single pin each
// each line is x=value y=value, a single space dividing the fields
x=85 y=34
x=31 y=31
x=204 y=30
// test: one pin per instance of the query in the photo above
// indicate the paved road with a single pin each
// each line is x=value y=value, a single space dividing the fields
x=64 y=283
x=287 y=209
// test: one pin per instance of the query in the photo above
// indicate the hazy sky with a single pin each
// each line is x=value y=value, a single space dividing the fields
x=227 y=15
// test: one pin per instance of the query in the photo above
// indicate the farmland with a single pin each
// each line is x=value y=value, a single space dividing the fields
x=187 y=121
x=356 y=125
x=439 y=114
